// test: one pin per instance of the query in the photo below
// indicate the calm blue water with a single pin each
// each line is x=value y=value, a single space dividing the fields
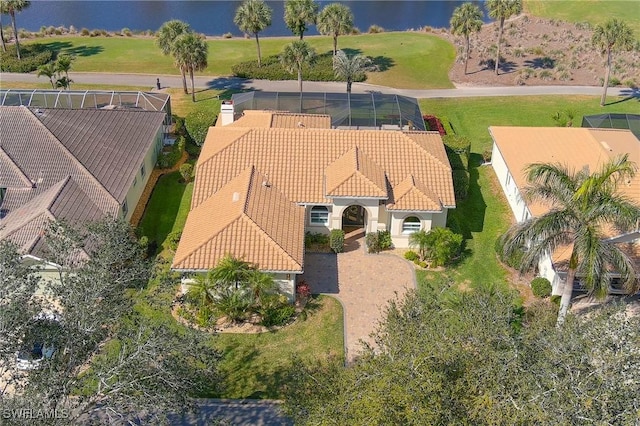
x=216 y=17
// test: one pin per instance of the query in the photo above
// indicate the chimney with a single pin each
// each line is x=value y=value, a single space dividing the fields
x=226 y=112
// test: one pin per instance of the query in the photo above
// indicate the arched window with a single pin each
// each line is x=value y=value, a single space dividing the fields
x=411 y=225
x=319 y=215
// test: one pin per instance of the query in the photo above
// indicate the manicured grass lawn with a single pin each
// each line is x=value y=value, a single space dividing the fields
x=206 y=99
x=592 y=11
x=167 y=208
x=471 y=117
x=413 y=60
x=256 y=364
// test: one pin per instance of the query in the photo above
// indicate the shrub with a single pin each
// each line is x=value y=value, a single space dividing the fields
x=631 y=84
x=514 y=260
x=167 y=160
x=126 y=32
x=555 y=299
x=614 y=81
x=227 y=35
x=375 y=29
x=460 y=184
x=303 y=289
x=33 y=56
x=173 y=239
x=277 y=316
x=186 y=170
x=541 y=287
x=411 y=256
x=315 y=238
x=372 y=240
x=336 y=240
x=486 y=155
x=197 y=124
x=458 y=149
x=384 y=240
x=442 y=246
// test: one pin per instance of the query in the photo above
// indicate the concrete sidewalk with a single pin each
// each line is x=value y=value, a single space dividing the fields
x=234 y=83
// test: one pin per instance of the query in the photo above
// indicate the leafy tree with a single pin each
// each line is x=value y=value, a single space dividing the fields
x=609 y=37
x=502 y=10
x=49 y=71
x=294 y=56
x=583 y=204
x=466 y=20
x=298 y=14
x=197 y=123
x=335 y=20
x=474 y=358
x=350 y=68
x=11 y=7
x=190 y=53
x=252 y=17
x=167 y=35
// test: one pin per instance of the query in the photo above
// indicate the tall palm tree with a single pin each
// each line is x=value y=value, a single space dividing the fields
x=49 y=70
x=12 y=7
x=298 y=14
x=4 y=46
x=294 y=56
x=335 y=20
x=166 y=37
x=350 y=68
x=582 y=205
x=253 y=16
x=502 y=10
x=190 y=51
x=608 y=37
x=232 y=270
x=466 y=20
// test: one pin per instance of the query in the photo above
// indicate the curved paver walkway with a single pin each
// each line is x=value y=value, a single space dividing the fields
x=364 y=283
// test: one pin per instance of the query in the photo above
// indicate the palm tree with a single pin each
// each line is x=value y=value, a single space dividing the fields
x=201 y=292
x=167 y=35
x=4 y=46
x=252 y=17
x=582 y=205
x=294 y=56
x=335 y=20
x=420 y=239
x=299 y=13
x=261 y=283
x=501 y=10
x=232 y=270
x=64 y=83
x=350 y=68
x=63 y=64
x=11 y=7
x=49 y=70
x=466 y=19
x=611 y=36
x=190 y=51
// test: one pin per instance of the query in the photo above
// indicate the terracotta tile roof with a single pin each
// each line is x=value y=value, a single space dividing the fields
x=411 y=194
x=250 y=216
x=280 y=119
x=573 y=147
x=295 y=160
x=355 y=175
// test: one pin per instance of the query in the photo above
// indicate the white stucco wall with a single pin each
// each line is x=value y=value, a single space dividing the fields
x=286 y=284
x=427 y=222
x=371 y=206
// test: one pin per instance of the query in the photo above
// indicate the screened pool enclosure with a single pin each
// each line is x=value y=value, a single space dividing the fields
x=347 y=111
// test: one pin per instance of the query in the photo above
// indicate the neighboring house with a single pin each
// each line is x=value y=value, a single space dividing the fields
x=71 y=164
x=265 y=179
x=514 y=148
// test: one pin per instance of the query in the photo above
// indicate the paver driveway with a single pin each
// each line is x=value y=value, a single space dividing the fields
x=364 y=283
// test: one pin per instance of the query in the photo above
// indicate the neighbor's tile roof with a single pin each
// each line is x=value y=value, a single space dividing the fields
x=280 y=119
x=575 y=148
x=296 y=160
x=249 y=215
x=77 y=173
x=411 y=194
x=355 y=175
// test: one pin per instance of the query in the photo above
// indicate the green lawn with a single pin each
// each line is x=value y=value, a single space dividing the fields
x=413 y=60
x=256 y=364
x=592 y=11
x=167 y=209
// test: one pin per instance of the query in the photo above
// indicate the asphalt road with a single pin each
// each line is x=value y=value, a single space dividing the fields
x=234 y=83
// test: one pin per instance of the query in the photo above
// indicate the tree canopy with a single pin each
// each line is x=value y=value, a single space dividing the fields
x=298 y=14
x=466 y=20
x=609 y=37
x=335 y=20
x=501 y=10
x=252 y=17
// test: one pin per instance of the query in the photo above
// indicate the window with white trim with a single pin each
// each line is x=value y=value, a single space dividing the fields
x=411 y=225
x=319 y=215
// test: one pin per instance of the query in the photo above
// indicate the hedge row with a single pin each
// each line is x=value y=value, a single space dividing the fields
x=272 y=69
x=33 y=55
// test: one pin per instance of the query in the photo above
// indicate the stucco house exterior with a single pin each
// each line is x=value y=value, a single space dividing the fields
x=75 y=165
x=514 y=148
x=265 y=179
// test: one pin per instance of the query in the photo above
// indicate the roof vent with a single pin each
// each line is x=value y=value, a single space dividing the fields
x=300 y=124
x=605 y=146
x=235 y=197
x=266 y=184
x=39 y=112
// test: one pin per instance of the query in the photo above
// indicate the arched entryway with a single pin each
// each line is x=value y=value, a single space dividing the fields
x=354 y=218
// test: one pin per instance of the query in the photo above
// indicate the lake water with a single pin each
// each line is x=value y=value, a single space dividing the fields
x=216 y=17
